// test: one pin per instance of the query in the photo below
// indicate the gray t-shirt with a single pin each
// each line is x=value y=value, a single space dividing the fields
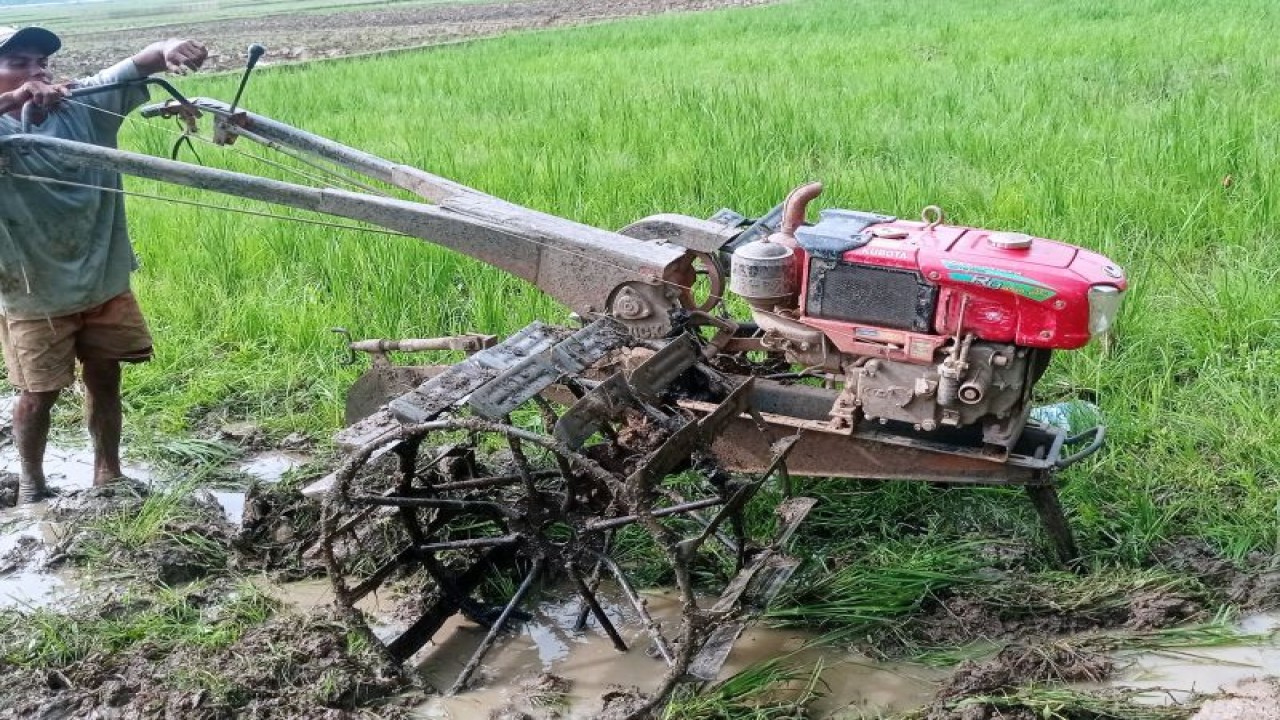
x=64 y=249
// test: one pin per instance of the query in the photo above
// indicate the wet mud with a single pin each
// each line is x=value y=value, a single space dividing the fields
x=291 y=666
x=964 y=619
x=1022 y=664
x=278 y=527
x=1080 y=648
x=1255 y=699
x=25 y=582
x=98 y=527
x=127 y=601
x=1009 y=606
x=297 y=659
x=301 y=661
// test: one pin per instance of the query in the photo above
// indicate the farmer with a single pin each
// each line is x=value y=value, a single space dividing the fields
x=65 y=256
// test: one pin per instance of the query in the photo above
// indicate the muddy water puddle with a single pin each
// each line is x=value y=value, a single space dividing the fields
x=68 y=468
x=22 y=582
x=853 y=686
x=856 y=687
x=271 y=466
x=1174 y=676
x=25 y=537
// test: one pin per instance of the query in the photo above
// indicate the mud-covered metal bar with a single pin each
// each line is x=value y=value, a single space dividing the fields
x=592 y=271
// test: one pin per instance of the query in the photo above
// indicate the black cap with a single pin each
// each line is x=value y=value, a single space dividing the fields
x=33 y=38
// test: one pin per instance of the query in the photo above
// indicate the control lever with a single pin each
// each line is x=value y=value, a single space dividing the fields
x=256 y=52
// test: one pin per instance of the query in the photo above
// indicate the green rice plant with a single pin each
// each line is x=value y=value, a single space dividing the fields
x=181 y=451
x=769 y=690
x=886 y=581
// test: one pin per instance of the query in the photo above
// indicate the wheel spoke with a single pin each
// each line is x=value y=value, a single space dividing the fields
x=498 y=625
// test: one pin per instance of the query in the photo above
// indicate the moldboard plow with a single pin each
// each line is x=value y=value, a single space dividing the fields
x=711 y=358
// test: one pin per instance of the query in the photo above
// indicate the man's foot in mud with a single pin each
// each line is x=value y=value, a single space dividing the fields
x=31 y=486
x=121 y=485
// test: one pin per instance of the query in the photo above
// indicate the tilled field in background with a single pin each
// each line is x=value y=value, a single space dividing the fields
x=310 y=36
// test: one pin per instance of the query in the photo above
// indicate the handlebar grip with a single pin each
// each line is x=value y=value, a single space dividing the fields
x=256 y=52
x=29 y=106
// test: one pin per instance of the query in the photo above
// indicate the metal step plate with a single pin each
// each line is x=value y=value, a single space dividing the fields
x=442 y=392
x=530 y=376
x=453 y=386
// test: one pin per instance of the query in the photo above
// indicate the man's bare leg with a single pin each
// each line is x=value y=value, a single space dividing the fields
x=31 y=432
x=102 y=388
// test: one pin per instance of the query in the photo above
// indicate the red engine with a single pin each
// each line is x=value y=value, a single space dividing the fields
x=929 y=324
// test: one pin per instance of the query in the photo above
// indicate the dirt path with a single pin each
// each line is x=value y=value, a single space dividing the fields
x=295 y=37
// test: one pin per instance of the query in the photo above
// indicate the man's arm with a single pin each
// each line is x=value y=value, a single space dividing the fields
x=174 y=55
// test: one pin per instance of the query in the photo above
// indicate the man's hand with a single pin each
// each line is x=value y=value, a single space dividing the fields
x=176 y=56
x=43 y=94
x=184 y=56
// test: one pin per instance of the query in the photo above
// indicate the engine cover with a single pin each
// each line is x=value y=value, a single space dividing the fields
x=871 y=280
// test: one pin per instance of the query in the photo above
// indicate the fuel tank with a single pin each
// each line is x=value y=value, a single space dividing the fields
x=869 y=278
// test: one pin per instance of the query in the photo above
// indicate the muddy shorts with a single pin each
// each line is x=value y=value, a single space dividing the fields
x=40 y=354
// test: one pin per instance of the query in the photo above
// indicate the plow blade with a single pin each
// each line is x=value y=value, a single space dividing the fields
x=752 y=591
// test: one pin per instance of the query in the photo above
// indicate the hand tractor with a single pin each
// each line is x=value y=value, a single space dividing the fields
x=709 y=357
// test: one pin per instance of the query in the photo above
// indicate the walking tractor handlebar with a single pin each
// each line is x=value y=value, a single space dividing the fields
x=30 y=107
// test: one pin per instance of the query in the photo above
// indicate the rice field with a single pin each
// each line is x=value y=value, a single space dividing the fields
x=1145 y=130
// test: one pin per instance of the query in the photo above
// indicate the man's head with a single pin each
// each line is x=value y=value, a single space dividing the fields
x=28 y=38
x=24 y=56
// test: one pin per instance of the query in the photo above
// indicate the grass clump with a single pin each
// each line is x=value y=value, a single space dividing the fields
x=163 y=620
x=769 y=690
x=170 y=536
x=882 y=582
